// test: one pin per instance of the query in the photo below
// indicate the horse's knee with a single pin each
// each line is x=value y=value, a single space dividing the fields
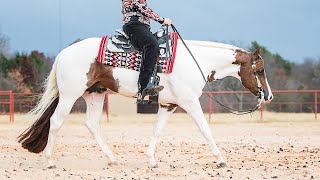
x=88 y=125
x=156 y=132
x=92 y=126
x=55 y=124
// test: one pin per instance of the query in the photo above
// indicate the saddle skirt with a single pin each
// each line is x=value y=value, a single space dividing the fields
x=116 y=51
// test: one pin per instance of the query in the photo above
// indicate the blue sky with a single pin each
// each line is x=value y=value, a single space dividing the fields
x=288 y=27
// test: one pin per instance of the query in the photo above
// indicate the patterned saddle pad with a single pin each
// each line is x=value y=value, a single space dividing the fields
x=116 y=51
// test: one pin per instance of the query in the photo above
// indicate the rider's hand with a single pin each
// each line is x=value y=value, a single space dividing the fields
x=167 y=21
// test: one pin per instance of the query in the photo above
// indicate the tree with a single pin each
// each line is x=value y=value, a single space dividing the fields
x=4 y=44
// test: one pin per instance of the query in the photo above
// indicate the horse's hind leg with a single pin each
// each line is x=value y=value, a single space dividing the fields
x=62 y=111
x=162 y=117
x=94 y=110
x=193 y=108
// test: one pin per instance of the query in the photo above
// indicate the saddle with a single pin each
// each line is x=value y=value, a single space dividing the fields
x=120 y=42
x=117 y=51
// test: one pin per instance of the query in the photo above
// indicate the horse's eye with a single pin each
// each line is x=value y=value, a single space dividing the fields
x=260 y=72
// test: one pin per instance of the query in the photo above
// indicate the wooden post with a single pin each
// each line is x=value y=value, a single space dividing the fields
x=316 y=105
x=11 y=107
x=261 y=113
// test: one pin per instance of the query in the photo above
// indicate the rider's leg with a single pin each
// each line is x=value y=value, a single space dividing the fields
x=143 y=40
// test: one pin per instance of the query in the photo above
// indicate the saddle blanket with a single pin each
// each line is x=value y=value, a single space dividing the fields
x=133 y=60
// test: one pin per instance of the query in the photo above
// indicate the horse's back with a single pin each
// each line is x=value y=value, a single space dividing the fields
x=84 y=51
x=85 y=48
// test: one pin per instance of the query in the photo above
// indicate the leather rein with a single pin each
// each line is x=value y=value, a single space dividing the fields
x=260 y=94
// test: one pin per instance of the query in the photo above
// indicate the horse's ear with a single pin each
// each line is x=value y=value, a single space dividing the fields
x=256 y=53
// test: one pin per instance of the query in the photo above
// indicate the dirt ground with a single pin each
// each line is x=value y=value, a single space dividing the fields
x=285 y=146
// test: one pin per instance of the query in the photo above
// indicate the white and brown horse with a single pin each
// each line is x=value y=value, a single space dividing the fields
x=76 y=70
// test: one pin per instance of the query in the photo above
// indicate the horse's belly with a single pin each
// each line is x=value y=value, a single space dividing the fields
x=128 y=84
x=128 y=81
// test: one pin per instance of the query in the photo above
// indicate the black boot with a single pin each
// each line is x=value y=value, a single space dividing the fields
x=153 y=88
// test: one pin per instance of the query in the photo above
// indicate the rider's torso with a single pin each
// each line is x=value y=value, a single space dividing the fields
x=138 y=11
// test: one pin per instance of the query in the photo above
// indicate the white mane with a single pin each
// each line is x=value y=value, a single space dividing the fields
x=213 y=45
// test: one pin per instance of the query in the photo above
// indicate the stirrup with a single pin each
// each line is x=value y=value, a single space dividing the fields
x=142 y=101
x=153 y=88
x=149 y=91
x=152 y=91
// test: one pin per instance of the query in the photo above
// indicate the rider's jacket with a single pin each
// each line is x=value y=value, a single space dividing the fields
x=138 y=11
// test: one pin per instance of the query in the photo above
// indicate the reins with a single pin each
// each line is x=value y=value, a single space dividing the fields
x=229 y=109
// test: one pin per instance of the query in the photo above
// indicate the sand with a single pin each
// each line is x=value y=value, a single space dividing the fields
x=285 y=146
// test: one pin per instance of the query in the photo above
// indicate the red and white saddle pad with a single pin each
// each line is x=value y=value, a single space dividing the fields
x=133 y=60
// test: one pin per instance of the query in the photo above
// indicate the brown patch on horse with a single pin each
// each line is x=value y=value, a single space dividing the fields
x=251 y=68
x=100 y=78
x=170 y=107
x=242 y=57
x=211 y=77
x=246 y=73
x=35 y=138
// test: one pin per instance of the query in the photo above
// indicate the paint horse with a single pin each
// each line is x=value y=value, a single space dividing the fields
x=75 y=70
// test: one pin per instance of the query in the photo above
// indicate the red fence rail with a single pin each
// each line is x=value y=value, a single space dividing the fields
x=7 y=99
x=300 y=103
x=23 y=102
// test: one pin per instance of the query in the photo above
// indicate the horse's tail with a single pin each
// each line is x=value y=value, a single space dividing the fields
x=35 y=138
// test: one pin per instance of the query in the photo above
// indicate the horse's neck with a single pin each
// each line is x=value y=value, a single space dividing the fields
x=215 y=57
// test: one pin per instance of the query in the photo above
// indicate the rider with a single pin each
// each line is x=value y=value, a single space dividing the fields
x=136 y=24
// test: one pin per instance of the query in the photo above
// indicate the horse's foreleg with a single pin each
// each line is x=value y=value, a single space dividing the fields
x=162 y=117
x=62 y=111
x=193 y=108
x=94 y=111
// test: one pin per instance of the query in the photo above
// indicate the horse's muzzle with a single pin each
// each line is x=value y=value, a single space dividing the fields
x=268 y=97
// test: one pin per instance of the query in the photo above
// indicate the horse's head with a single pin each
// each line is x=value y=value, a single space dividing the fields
x=253 y=75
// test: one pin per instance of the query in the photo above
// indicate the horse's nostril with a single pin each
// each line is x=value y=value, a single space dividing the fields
x=271 y=97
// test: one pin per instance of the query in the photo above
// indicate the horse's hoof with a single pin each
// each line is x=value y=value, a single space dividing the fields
x=153 y=163
x=222 y=165
x=113 y=163
x=52 y=167
x=153 y=166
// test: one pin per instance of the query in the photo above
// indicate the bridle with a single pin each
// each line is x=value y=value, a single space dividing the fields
x=260 y=93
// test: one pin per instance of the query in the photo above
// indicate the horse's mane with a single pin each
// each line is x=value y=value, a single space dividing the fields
x=214 y=45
